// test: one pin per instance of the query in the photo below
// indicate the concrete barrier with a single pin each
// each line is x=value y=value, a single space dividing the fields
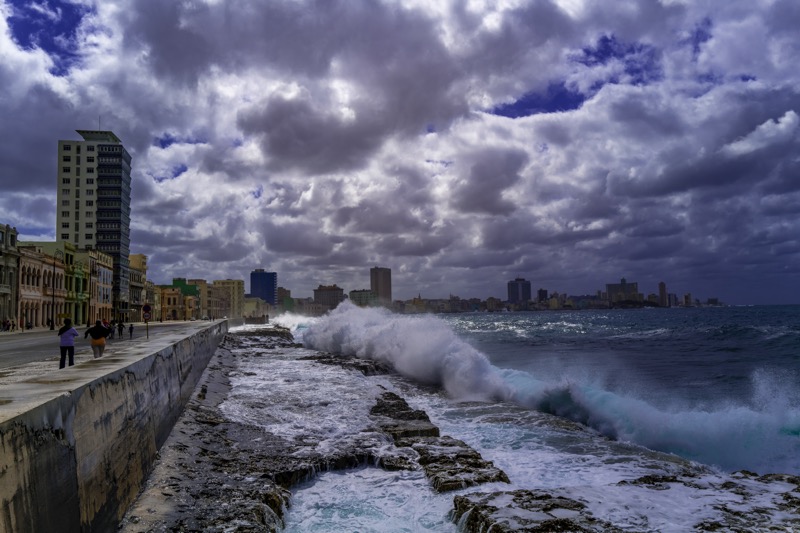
x=76 y=445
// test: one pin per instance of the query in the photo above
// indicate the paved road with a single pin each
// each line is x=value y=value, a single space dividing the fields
x=40 y=345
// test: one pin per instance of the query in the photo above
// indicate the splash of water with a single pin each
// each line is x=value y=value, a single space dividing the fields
x=762 y=436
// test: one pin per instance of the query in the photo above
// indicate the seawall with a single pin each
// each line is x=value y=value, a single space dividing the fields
x=76 y=445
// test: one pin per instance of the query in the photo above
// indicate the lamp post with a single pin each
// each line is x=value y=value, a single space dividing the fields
x=57 y=255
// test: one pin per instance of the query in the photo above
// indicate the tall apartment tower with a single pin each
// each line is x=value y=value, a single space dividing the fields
x=93 y=208
x=380 y=283
x=264 y=285
x=519 y=290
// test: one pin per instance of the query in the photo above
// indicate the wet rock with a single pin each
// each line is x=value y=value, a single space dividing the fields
x=524 y=511
x=448 y=463
x=365 y=366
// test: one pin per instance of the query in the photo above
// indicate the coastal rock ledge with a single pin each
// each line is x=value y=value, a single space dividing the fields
x=217 y=475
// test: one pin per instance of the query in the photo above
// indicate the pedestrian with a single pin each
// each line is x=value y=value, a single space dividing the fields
x=121 y=329
x=130 y=331
x=112 y=328
x=67 y=344
x=98 y=333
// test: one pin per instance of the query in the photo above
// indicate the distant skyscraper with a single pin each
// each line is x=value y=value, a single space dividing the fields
x=94 y=203
x=519 y=290
x=380 y=283
x=264 y=285
x=541 y=294
x=663 y=300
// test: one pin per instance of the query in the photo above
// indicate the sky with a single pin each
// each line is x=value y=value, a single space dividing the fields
x=460 y=143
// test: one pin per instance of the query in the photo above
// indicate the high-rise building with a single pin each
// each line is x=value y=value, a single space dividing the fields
x=93 y=206
x=663 y=300
x=264 y=285
x=519 y=290
x=380 y=283
x=541 y=295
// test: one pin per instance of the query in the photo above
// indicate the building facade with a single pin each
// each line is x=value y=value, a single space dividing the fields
x=363 y=297
x=623 y=291
x=264 y=285
x=138 y=278
x=100 y=272
x=519 y=291
x=93 y=203
x=9 y=274
x=380 y=283
x=234 y=290
x=328 y=296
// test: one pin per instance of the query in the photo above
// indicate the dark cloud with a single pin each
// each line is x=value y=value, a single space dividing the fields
x=656 y=140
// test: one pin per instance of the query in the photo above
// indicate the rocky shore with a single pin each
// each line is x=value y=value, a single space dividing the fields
x=217 y=475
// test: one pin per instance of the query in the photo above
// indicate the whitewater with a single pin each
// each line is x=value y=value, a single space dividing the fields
x=572 y=402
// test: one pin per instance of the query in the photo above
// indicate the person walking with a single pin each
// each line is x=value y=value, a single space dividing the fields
x=98 y=333
x=130 y=331
x=67 y=344
x=121 y=330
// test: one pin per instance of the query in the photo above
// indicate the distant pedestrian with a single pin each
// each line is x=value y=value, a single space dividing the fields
x=67 y=344
x=111 y=327
x=121 y=329
x=130 y=331
x=98 y=333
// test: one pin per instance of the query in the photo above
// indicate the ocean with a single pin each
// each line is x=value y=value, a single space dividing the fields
x=572 y=402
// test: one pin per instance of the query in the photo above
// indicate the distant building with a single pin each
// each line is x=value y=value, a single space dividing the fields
x=264 y=285
x=623 y=291
x=541 y=295
x=93 y=203
x=363 y=297
x=138 y=277
x=663 y=299
x=233 y=292
x=328 y=295
x=519 y=290
x=380 y=282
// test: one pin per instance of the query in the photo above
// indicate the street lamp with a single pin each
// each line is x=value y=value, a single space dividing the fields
x=57 y=255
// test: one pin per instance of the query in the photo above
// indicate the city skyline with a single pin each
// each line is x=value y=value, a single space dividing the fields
x=462 y=145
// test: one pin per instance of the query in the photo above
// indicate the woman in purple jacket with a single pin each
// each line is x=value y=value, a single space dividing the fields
x=67 y=345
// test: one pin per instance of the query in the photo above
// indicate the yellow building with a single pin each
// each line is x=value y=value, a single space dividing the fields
x=232 y=290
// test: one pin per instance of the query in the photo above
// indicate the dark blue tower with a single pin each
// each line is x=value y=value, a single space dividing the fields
x=264 y=285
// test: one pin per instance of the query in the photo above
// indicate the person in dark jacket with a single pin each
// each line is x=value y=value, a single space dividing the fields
x=98 y=332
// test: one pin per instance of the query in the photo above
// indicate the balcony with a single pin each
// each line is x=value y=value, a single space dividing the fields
x=5 y=289
x=59 y=293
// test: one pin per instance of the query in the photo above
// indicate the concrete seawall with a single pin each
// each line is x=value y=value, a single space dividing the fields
x=77 y=444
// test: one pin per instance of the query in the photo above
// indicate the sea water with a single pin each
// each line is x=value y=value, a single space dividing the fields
x=719 y=386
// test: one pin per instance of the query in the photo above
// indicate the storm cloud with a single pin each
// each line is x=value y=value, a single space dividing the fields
x=461 y=144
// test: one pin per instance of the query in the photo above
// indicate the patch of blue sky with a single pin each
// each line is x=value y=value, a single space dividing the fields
x=168 y=139
x=641 y=62
x=701 y=34
x=258 y=192
x=49 y=25
x=557 y=98
x=175 y=172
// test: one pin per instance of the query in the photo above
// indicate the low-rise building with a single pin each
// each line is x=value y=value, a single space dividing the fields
x=9 y=274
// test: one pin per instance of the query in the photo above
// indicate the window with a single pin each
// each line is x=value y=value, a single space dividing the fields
x=89 y=192
x=77 y=151
x=65 y=181
x=66 y=158
x=65 y=191
x=77 y=237
x=78 y=159
x=89 y=203
x=64 y=213
x=64 y=236
x=90 y=171
x=65 y=203
x=65 y=225
x=66 y=170
x=89 y=225
x=78 y=182
x=89 y=159
x=77 y=193
x=77 y=171
x=89 y=181
x=67 y=147
x=88 y=236
x=90 y=148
